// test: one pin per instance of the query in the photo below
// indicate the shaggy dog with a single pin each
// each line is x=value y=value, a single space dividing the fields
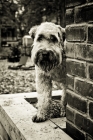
x=49 y=60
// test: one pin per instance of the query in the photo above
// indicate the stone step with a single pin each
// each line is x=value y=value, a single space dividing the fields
x=16 y=120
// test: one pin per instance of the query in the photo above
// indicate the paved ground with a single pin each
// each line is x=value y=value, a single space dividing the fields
x=18 y=81
x=15 y=81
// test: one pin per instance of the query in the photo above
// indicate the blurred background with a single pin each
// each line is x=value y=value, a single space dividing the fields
x=16 y=19
x=18 y=16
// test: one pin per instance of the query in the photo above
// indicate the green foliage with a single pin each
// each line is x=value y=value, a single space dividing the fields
x=34 y=10
x=7 y=12
x=28 y=12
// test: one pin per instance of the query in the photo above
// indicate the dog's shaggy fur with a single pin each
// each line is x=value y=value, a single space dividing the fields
x=48 y=57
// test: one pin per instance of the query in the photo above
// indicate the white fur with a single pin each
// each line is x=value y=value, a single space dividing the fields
x=58 y=73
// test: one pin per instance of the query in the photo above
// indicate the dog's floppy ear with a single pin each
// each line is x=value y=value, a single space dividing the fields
x=62 y=31
x=32 y=32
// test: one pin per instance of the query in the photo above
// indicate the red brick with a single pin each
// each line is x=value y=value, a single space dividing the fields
x=77 y=68
x=91 y=109
x=76 y=33
x=90 y=91
x=70 y=98
x=70 y=3
x=70 y=114
x=89 y=52
x=81 y=51
x=83 y=88
x=90 y=71
x=84 y=13
x=84 y=124
x=77 y=102
x=70 y=82
x=69 y=16
x=70 y=50
x=70 y=67
x=80 y=69
x=84 y=52
x=90 y=33
x=75 y=133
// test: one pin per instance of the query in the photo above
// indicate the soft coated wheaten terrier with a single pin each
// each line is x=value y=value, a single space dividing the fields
x=49 y=60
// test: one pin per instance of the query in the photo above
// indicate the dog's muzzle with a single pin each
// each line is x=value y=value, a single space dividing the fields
x=46 y=60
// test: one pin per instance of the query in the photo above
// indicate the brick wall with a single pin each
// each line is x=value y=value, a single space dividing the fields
x=79 y=52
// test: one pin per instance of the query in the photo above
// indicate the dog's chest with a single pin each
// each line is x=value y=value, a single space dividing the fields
x=58 y=74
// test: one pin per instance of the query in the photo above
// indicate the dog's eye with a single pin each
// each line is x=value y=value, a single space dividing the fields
x=53 y=38
x=40 y=37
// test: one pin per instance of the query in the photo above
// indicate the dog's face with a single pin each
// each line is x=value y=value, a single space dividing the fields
x=47 y=45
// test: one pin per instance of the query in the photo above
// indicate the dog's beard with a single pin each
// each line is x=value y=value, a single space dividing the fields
x=46 y=65
x=46 y=60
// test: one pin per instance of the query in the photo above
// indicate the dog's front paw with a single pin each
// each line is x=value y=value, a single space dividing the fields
x=39 y=118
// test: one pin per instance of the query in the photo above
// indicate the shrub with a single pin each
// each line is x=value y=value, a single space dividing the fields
x=14 y=54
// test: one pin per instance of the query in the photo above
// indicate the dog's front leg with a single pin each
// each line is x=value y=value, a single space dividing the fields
x=63 y=101
x=44 y=89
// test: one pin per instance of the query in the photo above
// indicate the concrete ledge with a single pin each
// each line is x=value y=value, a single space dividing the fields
x=28 y=95
x=16 y=119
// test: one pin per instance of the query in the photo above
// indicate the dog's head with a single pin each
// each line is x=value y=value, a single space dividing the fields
x=48 y=43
